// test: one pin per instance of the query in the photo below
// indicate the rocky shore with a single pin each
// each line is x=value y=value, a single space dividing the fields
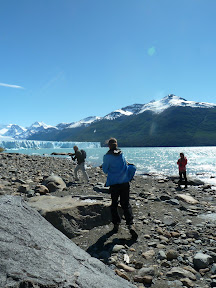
x=176 y=246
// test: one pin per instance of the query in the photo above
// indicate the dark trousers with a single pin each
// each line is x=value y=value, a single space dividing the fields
x=122 y=191
x=185 y=177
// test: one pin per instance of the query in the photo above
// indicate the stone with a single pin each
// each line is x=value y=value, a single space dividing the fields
x=202 y=261
x=174 y=284
x=208 y=217
x=213 y=269
x=125 y=267
x=169 y=221
x=148 y=254
x=122 y=275
x=187 y=282
x=203 y=271
x=35 y=254
x=173 y=202
x=101 y=188
x=163 y=238
x=187 y=198
x=42 y=189
x=23 y=188
x=69 y=215
x=161 y=255
x=145 y=279
x=175 y=234
x=181 y=273
x=172 y=254
x=193 y=234
x=117 y=248
x=146 y=271
x=54 y=183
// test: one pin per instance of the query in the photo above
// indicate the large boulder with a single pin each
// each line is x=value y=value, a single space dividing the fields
x=54 y=183
x=190 y=180
x=69 y=215
x=35 y=254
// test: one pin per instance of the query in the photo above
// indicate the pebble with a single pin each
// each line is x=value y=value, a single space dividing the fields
x=117 y=248
x=180 y=272
x=148 y=254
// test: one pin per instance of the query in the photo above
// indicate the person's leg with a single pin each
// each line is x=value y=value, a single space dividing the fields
x=82 y=168
x=124 y=200
x=185 y=178
x=75 y=172
x=114 y=205
x=180 y=178
x=125 y=204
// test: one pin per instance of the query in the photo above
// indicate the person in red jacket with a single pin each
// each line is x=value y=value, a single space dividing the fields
x=182 y=162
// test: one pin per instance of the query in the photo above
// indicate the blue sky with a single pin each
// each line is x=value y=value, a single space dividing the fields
x=62 y=61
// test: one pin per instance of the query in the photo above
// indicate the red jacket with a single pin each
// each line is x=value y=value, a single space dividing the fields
x=182 y=164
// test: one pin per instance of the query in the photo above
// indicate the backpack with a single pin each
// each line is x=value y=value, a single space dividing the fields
x=131 y=171
x=83 y=153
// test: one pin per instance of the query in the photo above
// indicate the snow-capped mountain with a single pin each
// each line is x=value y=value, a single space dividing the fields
x=14 y=130
x=8 y=132
x=34 y=128
x=3 y=129
x=83 y=122
x=155 y=106
x=173 y=100
x=126 y=111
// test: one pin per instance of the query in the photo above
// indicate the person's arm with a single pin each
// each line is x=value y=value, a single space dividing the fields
x=55 y=153
x=105 y=165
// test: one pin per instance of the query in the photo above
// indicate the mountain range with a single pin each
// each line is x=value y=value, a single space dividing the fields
x=171 y=121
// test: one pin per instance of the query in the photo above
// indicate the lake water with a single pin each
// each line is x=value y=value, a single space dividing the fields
x=159 y=160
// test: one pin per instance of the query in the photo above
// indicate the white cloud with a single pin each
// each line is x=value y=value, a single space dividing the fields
x=11 y=86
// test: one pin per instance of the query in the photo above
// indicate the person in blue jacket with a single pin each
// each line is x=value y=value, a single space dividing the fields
x=119 y=174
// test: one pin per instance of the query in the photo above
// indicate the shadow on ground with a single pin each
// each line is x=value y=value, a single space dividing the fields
x=103 y=250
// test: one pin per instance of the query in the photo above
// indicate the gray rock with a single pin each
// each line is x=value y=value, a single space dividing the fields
x=69 y=215
x=117 y=248
x=181 y=273
x=165 y=197
x=146 y=271
x=161 y=255
x=35 y=254
x=42 y=189
x=54 y=183
x=172 y=254
x=101 y=188
x=213 y=269
x=208 y=217
x=169 y=221
x=23 y=188
x=173 y=202
x=193 y=234
x=202 y=261
x=174 y=284
x=213 y=255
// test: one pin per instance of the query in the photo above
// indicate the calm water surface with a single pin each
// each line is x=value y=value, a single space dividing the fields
x=159 y=160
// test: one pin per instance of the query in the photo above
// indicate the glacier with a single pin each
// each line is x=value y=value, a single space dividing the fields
x=32 y=144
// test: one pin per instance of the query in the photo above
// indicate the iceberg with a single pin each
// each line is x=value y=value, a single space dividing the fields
x=31 y=144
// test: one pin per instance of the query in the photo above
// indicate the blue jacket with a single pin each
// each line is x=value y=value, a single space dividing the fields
x=115 y=165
